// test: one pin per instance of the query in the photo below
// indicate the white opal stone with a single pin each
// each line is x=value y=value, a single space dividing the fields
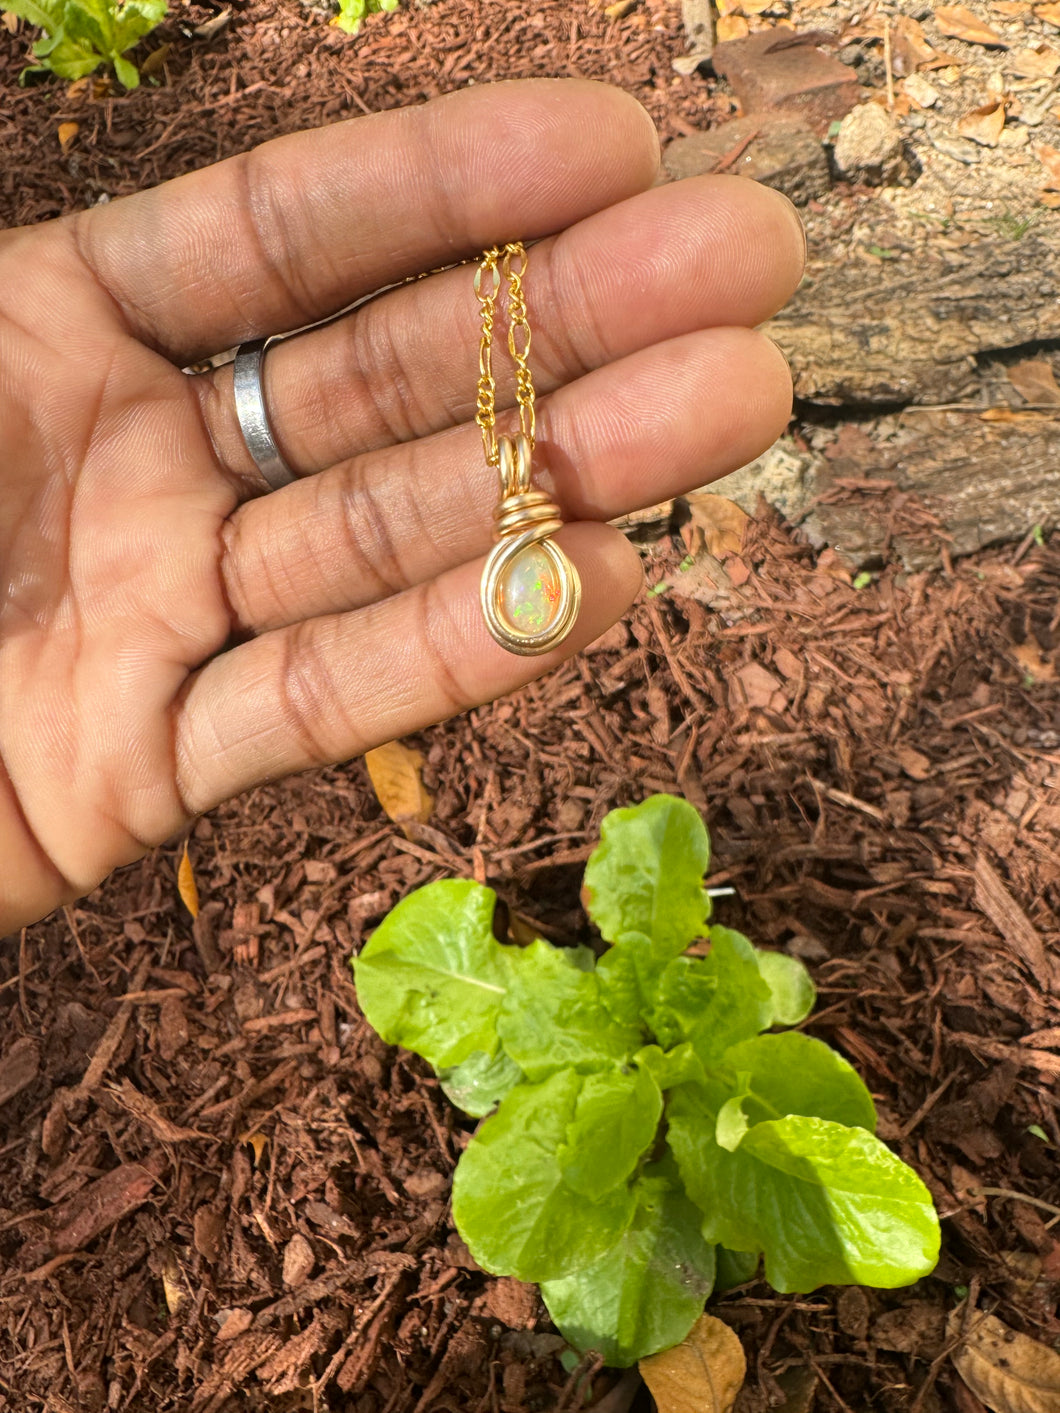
x=530 y=591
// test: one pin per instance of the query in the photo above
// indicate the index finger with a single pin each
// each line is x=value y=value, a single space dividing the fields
x=294 y=230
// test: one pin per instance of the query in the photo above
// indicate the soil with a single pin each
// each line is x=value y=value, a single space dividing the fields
x=219 y=1191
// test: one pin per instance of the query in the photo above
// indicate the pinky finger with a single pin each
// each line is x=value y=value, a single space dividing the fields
x=330 y=688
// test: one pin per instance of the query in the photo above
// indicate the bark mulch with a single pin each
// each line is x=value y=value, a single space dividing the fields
x=219 y=1191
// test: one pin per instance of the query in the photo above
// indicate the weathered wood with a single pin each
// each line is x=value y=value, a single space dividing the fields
x=986 y=481
x=867 y=330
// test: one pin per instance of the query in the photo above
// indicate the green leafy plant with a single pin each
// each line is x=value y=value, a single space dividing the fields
x=649 y=1132
x=352 y=12
x=80 y=35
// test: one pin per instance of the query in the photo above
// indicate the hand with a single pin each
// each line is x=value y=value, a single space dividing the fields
x=169 y=636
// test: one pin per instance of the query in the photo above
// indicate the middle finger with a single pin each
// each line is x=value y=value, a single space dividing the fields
x=696 y=254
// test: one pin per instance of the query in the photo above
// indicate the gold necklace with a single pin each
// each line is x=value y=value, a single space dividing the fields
x=530 y=590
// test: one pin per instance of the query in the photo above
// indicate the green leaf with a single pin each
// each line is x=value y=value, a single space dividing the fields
x=714 y=1001
x=629 y=976
x=791 y=1073
x=827 y=1204
x=432 y=976
x=670 y=1067
x=648 y=1290
x=68 y=60
x=128 y=73
x=510 y=1201
x=733 y=1267
x=134 y=20
x=646 y=875
x=553 y=1017
x=479 y=1084
x=790 y=985
x=732 y=1121
x=45 y=14
x=614 y=1124
x=90 y=28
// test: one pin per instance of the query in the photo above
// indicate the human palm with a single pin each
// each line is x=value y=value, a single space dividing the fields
x=170 y=636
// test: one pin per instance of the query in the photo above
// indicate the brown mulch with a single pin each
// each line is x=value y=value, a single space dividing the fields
x=219 y=1191
x=280 y=68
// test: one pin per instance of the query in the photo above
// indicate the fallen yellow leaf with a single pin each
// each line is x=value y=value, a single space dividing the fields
x=257 y=1141
x=67 y=133
x=186 y=885
x=1007 y=1371
x=10 y=21
x=959 y=22
x=395 y=771
x=1050 y=13
x=984 y=125
x=702 y=1374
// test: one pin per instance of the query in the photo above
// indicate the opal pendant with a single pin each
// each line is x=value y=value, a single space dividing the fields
x=530 y=589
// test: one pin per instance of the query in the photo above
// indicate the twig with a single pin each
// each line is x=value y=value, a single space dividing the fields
x=1015 y=1196
x=887 y=63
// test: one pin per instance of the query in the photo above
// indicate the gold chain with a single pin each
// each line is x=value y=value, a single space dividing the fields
x=495 y=263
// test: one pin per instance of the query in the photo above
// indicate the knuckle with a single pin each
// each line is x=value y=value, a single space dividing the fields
x=440 y=648
x=310 y=701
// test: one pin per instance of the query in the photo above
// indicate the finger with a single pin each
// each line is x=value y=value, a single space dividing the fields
x=632 y=433
x=333 y=687
x=699 y=253
x=296 y=229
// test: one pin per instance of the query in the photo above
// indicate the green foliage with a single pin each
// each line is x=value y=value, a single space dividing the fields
x=352 y=12
x=645 y=1132
x=80 y=35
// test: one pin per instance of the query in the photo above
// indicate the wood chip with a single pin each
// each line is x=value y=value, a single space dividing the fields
x=994 y=899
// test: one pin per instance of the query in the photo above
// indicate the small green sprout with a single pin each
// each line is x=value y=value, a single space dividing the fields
x=80 y=35
x=1038 y=536
x=648 y=1131
x=863 y=580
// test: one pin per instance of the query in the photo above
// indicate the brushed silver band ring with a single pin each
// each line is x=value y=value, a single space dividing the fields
x=254 y=419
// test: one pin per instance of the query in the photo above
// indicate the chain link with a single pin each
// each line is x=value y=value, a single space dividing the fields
x=496 y=263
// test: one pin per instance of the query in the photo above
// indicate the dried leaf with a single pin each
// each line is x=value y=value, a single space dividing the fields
x=155 y=62
x=1049 y=157
x=186 y=885
x=1035 y=381
x=9 y=20
x=959 y=22
x=1041 y=62
x=909 y=45
x=1050 y=13
x=1049 y=198
x=214 y=25
x=732 y=27
x=984 y=125
x=172 y=1283
x=395 y=771
x=702 y=1374
x=1009 y=1372
x=67 y=133
x=721 y=521
x=257 y=1141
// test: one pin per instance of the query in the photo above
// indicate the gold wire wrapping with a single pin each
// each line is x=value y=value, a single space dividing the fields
x=524 y=518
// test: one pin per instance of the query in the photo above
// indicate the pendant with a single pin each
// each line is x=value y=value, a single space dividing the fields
x=530 y=590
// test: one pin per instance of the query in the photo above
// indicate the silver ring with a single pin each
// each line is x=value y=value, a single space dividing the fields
x=253 y=419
